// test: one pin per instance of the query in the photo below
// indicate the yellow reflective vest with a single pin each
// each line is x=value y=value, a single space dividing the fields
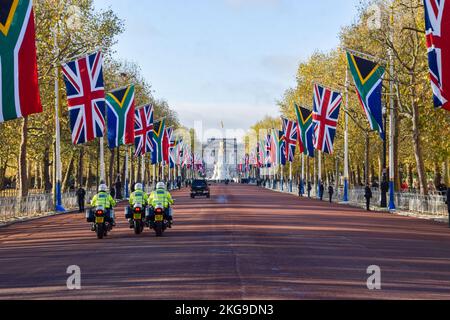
x=160 y=198
x=138 y=197
x=103 y=199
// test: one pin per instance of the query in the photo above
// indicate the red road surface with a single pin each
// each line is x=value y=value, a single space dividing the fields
x=243 y=243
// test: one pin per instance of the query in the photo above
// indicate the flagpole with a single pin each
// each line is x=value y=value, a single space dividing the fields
x=392 y=121
x=126 y=173
x=170 y=175
x=154 y=175
x=58 y=175
x=143 y=170
x=302 y=179
x=290 y=177
x=319 y=176
x=346 y=166
x=282 y=178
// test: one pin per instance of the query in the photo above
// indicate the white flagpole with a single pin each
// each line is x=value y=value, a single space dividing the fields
x=302 y=183
x=320 y=172
x=290 y=177
x=143 y=170
x=126 y=173
x=58 y=167
x=346 y=165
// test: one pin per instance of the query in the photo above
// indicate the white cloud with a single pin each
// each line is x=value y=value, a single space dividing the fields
x=238 y=117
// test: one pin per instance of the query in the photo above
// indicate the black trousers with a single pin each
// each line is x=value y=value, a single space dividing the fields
x=81 y=205
x=368 y=204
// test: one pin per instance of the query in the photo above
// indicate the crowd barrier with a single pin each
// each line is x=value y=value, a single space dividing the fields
x=35 y=205
x=432 y=205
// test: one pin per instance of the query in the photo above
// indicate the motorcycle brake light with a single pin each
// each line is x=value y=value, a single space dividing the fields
x=138 y=209
x=99 y=213
x=158 y=210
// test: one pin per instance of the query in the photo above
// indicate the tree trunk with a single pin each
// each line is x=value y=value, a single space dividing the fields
x=132 y=170
x=416 y=139
x=66 y=181
x=80 y=169
x=446 y=173
x=46 y=171
x=2 y=174
x=88 y=173
x=410 y=176
x=23 y=178
x=358 y=168
x=111 y=168
x=437 y=174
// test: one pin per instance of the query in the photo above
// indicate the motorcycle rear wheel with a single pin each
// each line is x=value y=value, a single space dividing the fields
x=137 y=227
x=100 y=231
x=159 y=229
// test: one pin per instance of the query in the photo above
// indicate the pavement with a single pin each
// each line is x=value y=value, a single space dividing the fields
x=244 y=243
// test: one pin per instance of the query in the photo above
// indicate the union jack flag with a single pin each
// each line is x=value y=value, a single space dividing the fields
x=143 y=130
x=268 y=150
x=290 y=136
x=170 y=147
x=327 y=105
x=437 y=24
x=85 y=97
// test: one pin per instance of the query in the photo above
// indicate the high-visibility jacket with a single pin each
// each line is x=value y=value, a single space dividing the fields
x=103 y=199
x=160 y=197
x=138 y=197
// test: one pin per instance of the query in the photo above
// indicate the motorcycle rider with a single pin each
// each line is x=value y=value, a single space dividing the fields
x=138 y=196
x=105 y=200
x=162 y=197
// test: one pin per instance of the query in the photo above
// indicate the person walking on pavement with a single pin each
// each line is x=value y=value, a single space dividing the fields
x=309 y=189
x=368 y=195
x=118 y=186
x=331 y=193
x=321 y=191
x=81 y=196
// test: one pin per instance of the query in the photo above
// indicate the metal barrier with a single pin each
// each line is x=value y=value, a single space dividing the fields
x=432 y=205
x=36 y=205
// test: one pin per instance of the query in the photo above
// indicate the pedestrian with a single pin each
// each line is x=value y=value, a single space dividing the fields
x=309 y=189
x=300 y=188
x=321 y=191
x=118 y=186
x=81 y=196
x=113 y=192
x=331 y=193
x=448 y=204
x=368 y=195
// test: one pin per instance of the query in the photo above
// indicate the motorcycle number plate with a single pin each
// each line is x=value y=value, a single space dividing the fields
x=99 y=220
x=137 y=216
x=159 y=217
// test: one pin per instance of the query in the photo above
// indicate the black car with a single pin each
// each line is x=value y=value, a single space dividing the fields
x=200 y=188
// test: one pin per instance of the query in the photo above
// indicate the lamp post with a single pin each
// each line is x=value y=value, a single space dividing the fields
x=392 y=120
x=384 y=184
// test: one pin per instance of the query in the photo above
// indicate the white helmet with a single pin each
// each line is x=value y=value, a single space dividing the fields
x=138 y=186
x=103 y=188
x=161 y=185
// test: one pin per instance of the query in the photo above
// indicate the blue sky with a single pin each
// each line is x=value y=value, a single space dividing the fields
x=225 y=60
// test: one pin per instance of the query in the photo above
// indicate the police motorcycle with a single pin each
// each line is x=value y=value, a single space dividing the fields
x=137 y=217
x=101 y=223
x=158 y=219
